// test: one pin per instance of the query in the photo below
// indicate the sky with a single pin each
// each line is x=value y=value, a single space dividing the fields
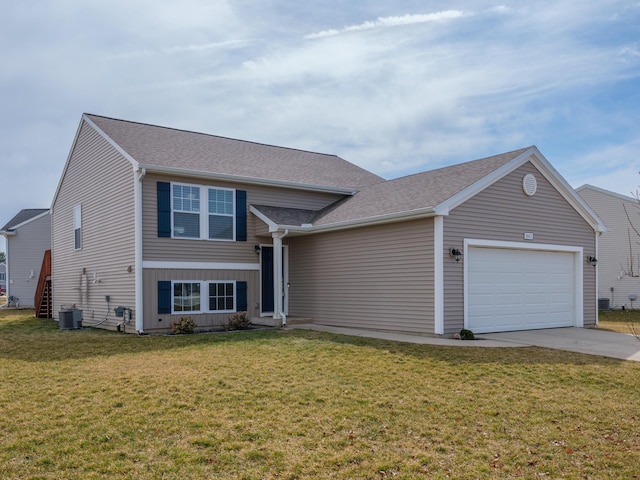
x=395 y=87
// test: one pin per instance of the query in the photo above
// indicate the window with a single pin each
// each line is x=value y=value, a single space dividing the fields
x=3 y=276
x=77 y=227
x=220 y=214
x=188 y=201
x=186 y=211
x=175 y=297
x=186 y=297
x=221 y=297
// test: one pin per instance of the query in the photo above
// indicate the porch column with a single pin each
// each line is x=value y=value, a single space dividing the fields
x=278 y=308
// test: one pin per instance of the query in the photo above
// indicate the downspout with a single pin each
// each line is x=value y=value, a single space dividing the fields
x=278 y=280
x=139 y=174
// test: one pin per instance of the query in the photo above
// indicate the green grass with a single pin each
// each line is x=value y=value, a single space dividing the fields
x=280 y=404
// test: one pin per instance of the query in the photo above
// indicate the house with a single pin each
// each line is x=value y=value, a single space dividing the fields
x=28 y=236
x=165 y=223
x=618 y=248
x=3 y=278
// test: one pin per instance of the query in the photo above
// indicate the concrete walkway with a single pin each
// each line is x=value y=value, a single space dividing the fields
x=581 y=340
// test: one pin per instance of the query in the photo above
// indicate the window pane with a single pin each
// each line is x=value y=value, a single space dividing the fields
x=186 y=297
x=77 y=238
x=221 y=296
x=186 y=198
x=186 y=225
x=221 y=201
x=220 y=227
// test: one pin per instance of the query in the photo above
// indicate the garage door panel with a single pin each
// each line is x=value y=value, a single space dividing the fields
x=512 y=289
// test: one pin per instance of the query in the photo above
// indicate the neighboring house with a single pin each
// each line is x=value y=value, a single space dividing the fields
x=618 y=248
x=167 y=223
x=3 y=277
x=28 y=236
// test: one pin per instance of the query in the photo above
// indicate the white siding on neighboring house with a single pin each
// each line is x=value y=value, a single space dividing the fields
x=25 y=251
x=618 y=249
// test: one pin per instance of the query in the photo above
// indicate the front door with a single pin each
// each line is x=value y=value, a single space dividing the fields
x=267 y=289
x=266 y=280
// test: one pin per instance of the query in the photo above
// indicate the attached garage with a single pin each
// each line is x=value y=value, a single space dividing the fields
x=512 y=286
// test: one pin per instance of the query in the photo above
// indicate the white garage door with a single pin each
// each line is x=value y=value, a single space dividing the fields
x=509 y=289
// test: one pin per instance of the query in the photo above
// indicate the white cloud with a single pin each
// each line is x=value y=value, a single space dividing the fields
x=393 y=21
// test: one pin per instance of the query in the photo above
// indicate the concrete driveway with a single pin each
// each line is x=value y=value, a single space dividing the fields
x=581 y=340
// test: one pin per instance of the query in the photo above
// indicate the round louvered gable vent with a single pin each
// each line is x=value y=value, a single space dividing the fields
x=529 y=184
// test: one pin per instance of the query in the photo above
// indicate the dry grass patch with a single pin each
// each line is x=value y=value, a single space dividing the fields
x=624 y=321
x=298 y=404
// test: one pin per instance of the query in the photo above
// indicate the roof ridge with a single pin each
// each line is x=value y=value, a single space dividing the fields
x=211 y=135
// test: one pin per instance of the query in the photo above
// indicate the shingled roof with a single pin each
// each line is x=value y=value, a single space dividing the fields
x=168 y=148
x=421 y=192
x=23 y=216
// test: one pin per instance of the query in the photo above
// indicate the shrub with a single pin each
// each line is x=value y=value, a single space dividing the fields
x=238 y=321
x=467 y=334
x=184 y=325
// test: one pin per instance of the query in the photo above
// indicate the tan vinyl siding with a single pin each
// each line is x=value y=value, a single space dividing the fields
x=178 y=249
x=617 y=276
x=378 y=277
x=25 y=253
x=503 y=212
x=101 y=180
x=153 y=322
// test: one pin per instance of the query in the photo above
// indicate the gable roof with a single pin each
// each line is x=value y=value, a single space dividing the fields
x=431 y=193
x=170 y=150
x=606 y=192
x=23 y=216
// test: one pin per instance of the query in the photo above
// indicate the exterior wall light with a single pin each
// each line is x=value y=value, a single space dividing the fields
x=455 y=253
x=256 y=248
x=593 y=261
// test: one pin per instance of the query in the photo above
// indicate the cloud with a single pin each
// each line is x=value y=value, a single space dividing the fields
x=393 y=21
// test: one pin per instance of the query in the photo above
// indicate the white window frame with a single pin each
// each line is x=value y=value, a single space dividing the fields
x=235 y=295
x=77 y=227
x=203 y=212
x=204 y=296
x=173 y=297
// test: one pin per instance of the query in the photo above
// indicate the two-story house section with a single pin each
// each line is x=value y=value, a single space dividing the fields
x=165 y=223
x=156 y=220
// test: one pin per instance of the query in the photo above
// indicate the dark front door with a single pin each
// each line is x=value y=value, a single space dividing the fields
x=266 y=272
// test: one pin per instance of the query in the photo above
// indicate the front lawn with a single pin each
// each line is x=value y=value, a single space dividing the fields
x=270 y=404
x=624 y=321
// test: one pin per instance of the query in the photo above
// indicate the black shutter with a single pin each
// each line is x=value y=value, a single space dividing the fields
x=241 y=216
x=164 y=209
x=164 y=296
x=241 y=296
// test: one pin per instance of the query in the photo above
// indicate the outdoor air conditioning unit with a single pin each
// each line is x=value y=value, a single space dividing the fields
x=69 y=319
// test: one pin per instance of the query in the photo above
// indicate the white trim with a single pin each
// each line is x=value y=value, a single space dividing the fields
x=160 y=264
x=438 y=270
x=22 y=224
x=203 y=211
x=597 y=283
x=138 y=176
x=273 y=227
x=578 y=269
x=538 y=160
x=418 y=213
x=607 y=192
